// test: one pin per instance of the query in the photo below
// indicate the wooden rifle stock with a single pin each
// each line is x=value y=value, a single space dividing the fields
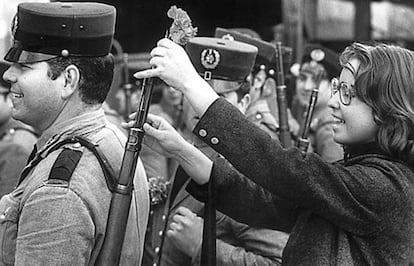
x=284 y=132
x=121 y=197
x=303 y=141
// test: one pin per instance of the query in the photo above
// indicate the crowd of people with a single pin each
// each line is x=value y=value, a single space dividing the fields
x=212 y=173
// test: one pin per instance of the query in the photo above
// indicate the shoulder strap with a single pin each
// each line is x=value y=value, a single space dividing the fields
x=67 y=157
x=65 y=164
x=108 y=172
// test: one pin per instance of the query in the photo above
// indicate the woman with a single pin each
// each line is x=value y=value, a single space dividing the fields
x=358 y=211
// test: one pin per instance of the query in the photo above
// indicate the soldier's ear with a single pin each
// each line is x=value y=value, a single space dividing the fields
x=72 y=78
x=244 y=103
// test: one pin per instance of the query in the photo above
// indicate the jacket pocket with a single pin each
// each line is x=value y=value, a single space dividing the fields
x=9 y=216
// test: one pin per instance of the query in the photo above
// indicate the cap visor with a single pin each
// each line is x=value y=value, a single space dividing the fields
x=17 y=55
x=223 y=86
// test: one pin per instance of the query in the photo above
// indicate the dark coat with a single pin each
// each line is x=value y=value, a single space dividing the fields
x=358 y=212
x=237 y=243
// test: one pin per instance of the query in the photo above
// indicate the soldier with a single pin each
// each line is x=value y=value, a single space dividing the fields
x=319 y=65
x=263 y=89
x=16 y=140
x=226 y=64
x=60 y=75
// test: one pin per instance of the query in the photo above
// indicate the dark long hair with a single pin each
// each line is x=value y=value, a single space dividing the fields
x=385 y=82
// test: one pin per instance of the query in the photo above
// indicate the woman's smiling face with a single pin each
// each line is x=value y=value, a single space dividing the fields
x=354 y=122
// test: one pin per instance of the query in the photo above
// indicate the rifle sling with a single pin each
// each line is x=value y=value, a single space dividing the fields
x=69 y=158
x=208 y=248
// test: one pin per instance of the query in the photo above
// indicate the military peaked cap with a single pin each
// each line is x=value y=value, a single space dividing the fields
x=221 y=59
x=266 y=54
x=42 y=31
x=315 y=54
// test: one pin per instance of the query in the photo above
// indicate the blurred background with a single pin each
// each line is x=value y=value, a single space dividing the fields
x=333 y=23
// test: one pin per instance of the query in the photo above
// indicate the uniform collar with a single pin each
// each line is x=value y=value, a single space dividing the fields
x=77 y=126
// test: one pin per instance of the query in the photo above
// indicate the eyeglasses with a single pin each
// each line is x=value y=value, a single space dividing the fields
x=346 y=91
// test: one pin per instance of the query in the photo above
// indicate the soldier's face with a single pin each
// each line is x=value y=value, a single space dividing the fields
x=36 y=98
x=305 y=83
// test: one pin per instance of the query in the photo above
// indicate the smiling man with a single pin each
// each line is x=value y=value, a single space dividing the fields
x=60 y=75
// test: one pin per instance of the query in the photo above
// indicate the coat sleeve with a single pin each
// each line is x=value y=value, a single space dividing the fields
x=244 y=200
x=361 y=198
x=245 y=245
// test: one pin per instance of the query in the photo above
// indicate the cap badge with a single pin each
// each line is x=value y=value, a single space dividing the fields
x=210 y=58
x=228 y=37
x=317 y=55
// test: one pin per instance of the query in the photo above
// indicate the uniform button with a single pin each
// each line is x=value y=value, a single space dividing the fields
x=202 y=132
x=151 y=212
x=155 y=264
x=164 y=217
x=214 y=140
x=157 y=249
x=160 y=233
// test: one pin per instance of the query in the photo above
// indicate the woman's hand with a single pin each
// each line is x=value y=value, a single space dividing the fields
x=170 y=62
x=160 y=136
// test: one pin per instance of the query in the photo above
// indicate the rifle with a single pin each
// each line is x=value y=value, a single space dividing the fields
x=284 y=132
x=303 y=141
x=121 y=198
x=110 y=252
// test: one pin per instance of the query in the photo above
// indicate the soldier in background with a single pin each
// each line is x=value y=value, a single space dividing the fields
x=263 y=110
x=319 y=65
x=16 y=140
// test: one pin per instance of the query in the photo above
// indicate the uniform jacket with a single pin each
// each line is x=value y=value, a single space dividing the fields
x=259 y=113
x=357 y=212
x=16 y=143
x=237 y=243
x=52 y=222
